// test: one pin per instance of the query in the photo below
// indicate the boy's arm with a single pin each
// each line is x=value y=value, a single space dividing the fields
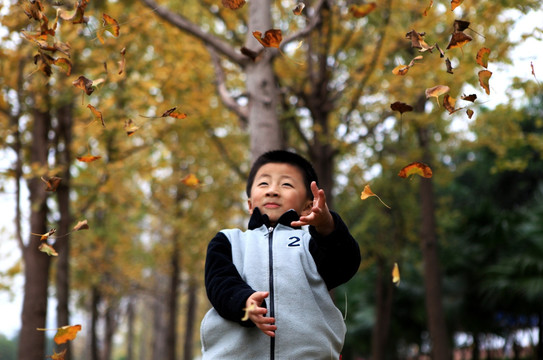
x=225 y=288
x=337 y=254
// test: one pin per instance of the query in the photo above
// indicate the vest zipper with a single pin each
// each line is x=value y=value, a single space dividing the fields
x=272 y=305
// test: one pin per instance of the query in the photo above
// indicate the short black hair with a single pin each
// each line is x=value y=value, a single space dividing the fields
x=284 y=157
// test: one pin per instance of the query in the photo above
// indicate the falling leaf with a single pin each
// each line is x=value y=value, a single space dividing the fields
x=367 y=193
x=190 y=180
x=458 y=40
x=299 y=8
x=417 y=41
x=470 y=113
x=436 y=91
x=448 y=103
x=272 y=38
x=455 y=4
x=396 y=274
x=248 y=311
x=97 y=115
x=66 y=333
x=362 y=10
x=533 y=72
x=48 y=249
x=417 y=168
x=130 y=127
x=172 y=112
x=81 y=225
x=64 y=64
x=233 y=4
x=425 y=13
x=122 y=62
x=84 y=84
x=51 y=183
x=482 y=57
x=471 y=97
x=460 y=25
x=44 y=237
x=401 y=107
x=400 y=70
x=76 y=16
x=110 y=25
x=58 y=356
x=449 y=66
x=484 y=78
x=88 y=158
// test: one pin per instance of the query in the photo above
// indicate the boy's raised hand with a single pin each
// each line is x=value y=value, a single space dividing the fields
x=256 y=313
x=319 y=215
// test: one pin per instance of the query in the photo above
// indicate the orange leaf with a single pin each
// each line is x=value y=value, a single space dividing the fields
x=111 y=25
x=84 y=84
x=425 y=13
x=362 y=10
x=190 y=180
x=415 y=168
x=455 y=4
x=367 y=193
x=44 y=237
x=52 y=183
x=64 y=64
x=233 y=4
x=484 y=78
x=66 y=333
x=97 y=114
x=396 y=274
x=88 y=158
x=272 y=38
x=448 y=103
x=58 y=356
x=400 y=70
x=482 y=57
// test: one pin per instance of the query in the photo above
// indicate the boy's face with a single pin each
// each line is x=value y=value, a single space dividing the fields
x=277 y=188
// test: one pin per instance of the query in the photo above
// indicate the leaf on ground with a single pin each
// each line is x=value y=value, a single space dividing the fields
x=415 y=168
x=368 y=193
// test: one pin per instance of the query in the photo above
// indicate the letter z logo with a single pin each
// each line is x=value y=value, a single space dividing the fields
x=295 y=241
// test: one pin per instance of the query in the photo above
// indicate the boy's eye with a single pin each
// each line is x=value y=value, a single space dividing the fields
x=263 y=183
x=287 y=184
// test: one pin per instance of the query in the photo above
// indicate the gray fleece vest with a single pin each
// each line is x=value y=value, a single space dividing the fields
x=309 y=325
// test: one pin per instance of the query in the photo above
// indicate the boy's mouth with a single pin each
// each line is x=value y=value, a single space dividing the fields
x=271 y=205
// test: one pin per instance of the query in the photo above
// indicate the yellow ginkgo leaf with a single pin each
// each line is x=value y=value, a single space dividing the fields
x=248 y=311
x=190 y=180
x=367 y=193
x=396 y=274
x=66 y=333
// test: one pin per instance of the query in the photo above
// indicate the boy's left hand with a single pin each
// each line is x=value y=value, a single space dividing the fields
x=319 y=215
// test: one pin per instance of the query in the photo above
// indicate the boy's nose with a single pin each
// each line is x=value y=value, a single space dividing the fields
x=272 y=191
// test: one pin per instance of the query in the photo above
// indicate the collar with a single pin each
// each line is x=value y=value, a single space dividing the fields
x=258 y=219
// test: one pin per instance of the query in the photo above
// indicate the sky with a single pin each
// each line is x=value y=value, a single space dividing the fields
x=11 y=302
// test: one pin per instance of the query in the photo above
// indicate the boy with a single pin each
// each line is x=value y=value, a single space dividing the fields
x=277 y=273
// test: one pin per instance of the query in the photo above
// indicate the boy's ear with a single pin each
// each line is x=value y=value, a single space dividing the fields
x=307 y=208
x=250 y=206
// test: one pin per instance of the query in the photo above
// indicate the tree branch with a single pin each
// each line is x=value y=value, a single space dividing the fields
x=220 y=82
x=185 y=25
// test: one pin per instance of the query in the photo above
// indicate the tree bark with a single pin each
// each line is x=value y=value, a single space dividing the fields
x=62 y=244
x=172 y=301
x=190 y=320
x=37 y=263
x=95 y=301
x=432 y=272
x=383 y=301
x=130 y=321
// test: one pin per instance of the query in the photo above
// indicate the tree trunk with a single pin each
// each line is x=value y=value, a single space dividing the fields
x=62 y=244
x=432 y=273
x=110 y=323
x=130 y=321
x=95 y=301
x=173 y=296
x=540 y=337
x=36 y=269
x=190 y=320
x=383 y=301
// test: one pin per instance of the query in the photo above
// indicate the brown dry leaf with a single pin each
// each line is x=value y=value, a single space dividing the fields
x=272 y=38
x=97 y=114
x=400 y=70
x=359 y=11
x=81 y=225
x=233 y=4
x=471 y=97
x=482 y=57
x=470 y=113
x=484 y=78
x=44 y=237
x=401 y=107
x=448 y=103
x=130 y=127
x=458 y=40
x=51 y=183
x=425 y=13
x=76 y=16
x=368 y=193
x=417 y=41
x=455 y=4
x=460 y=25
x=122 y=62
x=298 y=9
x=64 y=64
x=84 y=84
x=58 y=356
x=437 y=91
x=417 y=168
x=449 y=66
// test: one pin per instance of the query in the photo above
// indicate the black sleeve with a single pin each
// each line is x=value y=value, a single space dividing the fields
x=225 y=288
x=336 y=255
